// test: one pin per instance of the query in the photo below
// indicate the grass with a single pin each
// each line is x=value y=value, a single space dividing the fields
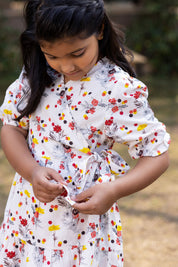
x=149 y=217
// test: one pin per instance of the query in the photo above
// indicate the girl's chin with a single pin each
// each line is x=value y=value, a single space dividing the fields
x=73 y=77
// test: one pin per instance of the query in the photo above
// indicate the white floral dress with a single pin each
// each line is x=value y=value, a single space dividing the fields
x=73 y=131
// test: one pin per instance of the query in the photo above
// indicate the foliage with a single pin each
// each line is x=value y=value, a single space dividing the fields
x=9 y=48
x=154 y=34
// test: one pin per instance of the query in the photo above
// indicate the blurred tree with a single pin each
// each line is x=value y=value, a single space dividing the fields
x=9 y=48
x=154 y=33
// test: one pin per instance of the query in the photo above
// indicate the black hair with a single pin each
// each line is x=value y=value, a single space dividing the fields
x=51 y=20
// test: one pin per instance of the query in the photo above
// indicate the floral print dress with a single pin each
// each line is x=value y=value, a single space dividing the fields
x=73 y=131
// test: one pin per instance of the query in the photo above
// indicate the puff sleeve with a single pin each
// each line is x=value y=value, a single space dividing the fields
x=131 y=121
x=16 y=97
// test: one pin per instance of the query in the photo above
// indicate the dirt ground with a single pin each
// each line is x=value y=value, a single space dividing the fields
x=149 y=218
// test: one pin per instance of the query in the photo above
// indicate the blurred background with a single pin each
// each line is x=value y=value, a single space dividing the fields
x=150 y=217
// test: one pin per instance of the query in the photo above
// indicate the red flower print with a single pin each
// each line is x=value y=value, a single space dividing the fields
x=38 y=118
x=137 y=94
x=11 y=254
x=18 y=95
x=94 y=102
x=93 y=234
x=71 y=125
x=91 y=110
x=57 y=128
x=23 y=222
x=115 y=109
x=93 y=128
x=59 y=102
x=62 y=166
x=38 y=127
x=112 y=101
x=68 y=97
x=92 y=225
x=61 y=253
x=64 y=193
x=109 y=122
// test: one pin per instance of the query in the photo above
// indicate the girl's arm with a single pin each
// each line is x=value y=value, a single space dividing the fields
x=13 y=140
x=102 y=196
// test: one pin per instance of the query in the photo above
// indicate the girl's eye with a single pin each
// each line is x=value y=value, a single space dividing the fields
x=51 y=57
x=78 y=55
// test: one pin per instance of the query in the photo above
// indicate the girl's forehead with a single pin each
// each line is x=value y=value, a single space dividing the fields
x=67 y=41
x=67 y=45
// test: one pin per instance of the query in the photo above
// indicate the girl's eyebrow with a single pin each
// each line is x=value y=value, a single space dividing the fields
x=73 y=52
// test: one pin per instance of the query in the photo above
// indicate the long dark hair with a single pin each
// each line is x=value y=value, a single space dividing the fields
x=51 y=20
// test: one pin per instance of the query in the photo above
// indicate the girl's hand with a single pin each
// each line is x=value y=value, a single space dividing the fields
x=96 y=200
x=99 y=198
x=44 y=187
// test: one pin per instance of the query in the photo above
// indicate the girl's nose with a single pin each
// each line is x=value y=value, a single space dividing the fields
x=67 y=66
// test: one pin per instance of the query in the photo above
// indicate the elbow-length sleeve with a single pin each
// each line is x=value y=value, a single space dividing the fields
x=131 y=121
x=15 y=99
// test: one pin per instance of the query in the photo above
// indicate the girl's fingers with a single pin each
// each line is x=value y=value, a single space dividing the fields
x=87 y=207
x=53 y=175
x=84 y=196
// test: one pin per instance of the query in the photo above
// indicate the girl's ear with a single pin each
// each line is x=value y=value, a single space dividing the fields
x=100 y=36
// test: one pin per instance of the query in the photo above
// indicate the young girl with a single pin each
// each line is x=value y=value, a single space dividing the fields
x=75 y=97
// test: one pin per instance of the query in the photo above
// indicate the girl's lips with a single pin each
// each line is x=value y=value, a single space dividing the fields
x=72 y=73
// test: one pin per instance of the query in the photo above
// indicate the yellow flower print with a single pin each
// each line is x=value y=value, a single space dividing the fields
x=85 y=150
x=104 y=93
x=85 y=117
x=85 y=93
x=16 y=233
x=115 y=173
x=35 y=141
x=119 y=228
x=43 y=241
x=59 y=244
x=22 y=124
x=100 y=180
x=8 y=112
x=126 y=85
x=27 y=193
x=84 y=248
x=85 y=79
x=40 y=210
x=20 y=204
x=45 y=157
x=54 y=228
x=141 y=127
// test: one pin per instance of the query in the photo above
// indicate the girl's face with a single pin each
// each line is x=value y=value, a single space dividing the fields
x=73 y=57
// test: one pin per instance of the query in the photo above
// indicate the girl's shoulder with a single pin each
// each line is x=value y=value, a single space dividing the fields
x=118 y=80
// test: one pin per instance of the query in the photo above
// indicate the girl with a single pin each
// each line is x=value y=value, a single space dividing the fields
x=75 y=97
